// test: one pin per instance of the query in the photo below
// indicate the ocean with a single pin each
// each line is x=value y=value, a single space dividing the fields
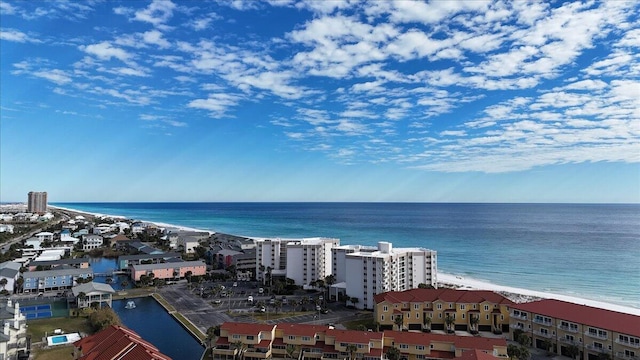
x=589 y=251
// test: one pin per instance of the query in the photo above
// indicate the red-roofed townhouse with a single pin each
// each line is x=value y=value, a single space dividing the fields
x=443 y=309
x=292 y=339
x=414 y=345
x=588 y=331
x=116 y=342
x=341 y=344
x=250 y=341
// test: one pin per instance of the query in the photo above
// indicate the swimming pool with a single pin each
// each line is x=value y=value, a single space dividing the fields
x=63 y=339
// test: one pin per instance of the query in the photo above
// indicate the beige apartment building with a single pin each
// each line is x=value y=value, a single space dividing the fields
x=593 y=333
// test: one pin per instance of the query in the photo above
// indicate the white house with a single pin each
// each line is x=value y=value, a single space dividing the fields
x=68 y=239
x=187 y=243
x=92 y=241
x=44 y=236
x=6 y=228
x=10 y=271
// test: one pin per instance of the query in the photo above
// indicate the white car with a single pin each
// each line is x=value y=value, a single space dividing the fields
x=250 y=299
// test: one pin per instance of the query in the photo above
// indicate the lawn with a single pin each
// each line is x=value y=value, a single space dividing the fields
x=60 y=352
x=38 y=328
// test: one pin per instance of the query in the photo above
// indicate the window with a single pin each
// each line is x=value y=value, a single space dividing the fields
x=486 y=308
x=385 y=308
x=292 y=337
x=416 y=306
x=419 y=347
x=450 y=305
x=249 y=337
x=381 y=317
x=597 y=345
x=462 y=306
x=463 y=316
x=236 y=336
x=629 y=353
x=569 y=337
x=404 y=346
x=439 y=306
x=306 y=338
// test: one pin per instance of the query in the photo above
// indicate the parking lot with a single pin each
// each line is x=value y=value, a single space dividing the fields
x=206 y=307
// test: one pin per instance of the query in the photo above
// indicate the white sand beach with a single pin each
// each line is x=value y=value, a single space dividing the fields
x=523 y=295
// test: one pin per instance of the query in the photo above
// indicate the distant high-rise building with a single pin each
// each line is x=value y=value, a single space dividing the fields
x=37 y=202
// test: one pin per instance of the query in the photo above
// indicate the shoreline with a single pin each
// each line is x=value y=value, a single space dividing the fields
x=515 y=294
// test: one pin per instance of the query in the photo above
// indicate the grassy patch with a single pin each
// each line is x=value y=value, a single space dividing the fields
x=358 y=324
x=38 y=328
x=190 y=326
x=163 y=302
x=60 y=352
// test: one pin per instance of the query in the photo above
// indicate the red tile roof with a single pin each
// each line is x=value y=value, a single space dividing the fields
x=245 y=328
x=460 y=342
x=301 y=329
x=476 y=355
x=117 y=342
x=446 y=295
x=353 y=336
x=582 y=314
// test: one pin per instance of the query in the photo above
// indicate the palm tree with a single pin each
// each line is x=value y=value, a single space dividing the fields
x=426 y=321
x=3 y=283
x=399 y=321
x=277 y=305
x=351 y=349
x=513 y=351
x=393 y=353
x=449 y=320
x=573 y=351
x=212 y=335
x=473 y=321
x=524 y=353
x=291 y=350
x=81 y=296
x=241 y=347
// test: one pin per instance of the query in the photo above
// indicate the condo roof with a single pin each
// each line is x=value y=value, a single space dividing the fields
x=447 y=295
x=582 y=314
x=245 y=328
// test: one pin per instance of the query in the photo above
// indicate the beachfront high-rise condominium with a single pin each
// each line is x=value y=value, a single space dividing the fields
x=367 y=271
x=37 y=202
x=580 y=331
x=302 y=260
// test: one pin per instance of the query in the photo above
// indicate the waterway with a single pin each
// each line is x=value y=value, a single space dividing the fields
x=152 y=322
x=104 y=266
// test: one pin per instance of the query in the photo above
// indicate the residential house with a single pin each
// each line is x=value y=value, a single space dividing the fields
x=78 y=263
x=590 y=331
x=125 y=261
x=116 y=342
x=8 y=228
x=443 y=309
x=415 y=346
x=44 y=236
x=93 y=292
x=92 y=241
x=9 y=272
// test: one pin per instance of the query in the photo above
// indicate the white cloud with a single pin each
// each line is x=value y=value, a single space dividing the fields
x=16 y=36
x=218 y=104
x=157 y=13
x=6 y=8
x=105 y=51
x=57 y=76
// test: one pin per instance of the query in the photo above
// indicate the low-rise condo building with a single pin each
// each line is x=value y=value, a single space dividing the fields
x=169 y=270
x=92 y=241
x=304 y=341
x=369 y=271
x=580 y=331
x=13 y=332
x=443 y=309
x=57 y=279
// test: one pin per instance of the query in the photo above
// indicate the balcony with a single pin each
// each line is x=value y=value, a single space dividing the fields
x=628 y=343
x=622 y=356
x=542 y=322
x=516 y=326
x=224 y=351
x=542 y=333
x=597 y=349
x=570 y=342
x=568 y=328
x=521 y=317
x=596 y=335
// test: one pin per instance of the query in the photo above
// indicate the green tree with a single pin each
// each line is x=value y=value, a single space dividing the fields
x=473 y=321
x=3 y=282
x=449 y=320
x=291 y=350
x=241 y=348
x=524 y=354
x=513 y=351
x=426 y=321
x=573 y=351
x=212 y=335
x=102 y=318
x=425 y=286
x=351 y=349
x=524 y=340
x=393 y=353
x=399 y=321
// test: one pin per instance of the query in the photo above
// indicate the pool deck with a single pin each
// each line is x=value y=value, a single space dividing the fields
x=69 y=339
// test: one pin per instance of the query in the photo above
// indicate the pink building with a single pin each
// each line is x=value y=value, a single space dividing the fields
x=169 y=270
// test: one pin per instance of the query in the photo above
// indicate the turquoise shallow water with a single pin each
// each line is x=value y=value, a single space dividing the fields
x=582 y=250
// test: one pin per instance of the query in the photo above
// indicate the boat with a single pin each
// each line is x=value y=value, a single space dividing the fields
x=130 y=305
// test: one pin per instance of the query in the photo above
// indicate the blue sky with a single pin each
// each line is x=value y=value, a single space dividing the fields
x=477 y=101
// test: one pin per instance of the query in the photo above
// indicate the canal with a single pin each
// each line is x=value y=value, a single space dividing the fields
x=152 y=322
